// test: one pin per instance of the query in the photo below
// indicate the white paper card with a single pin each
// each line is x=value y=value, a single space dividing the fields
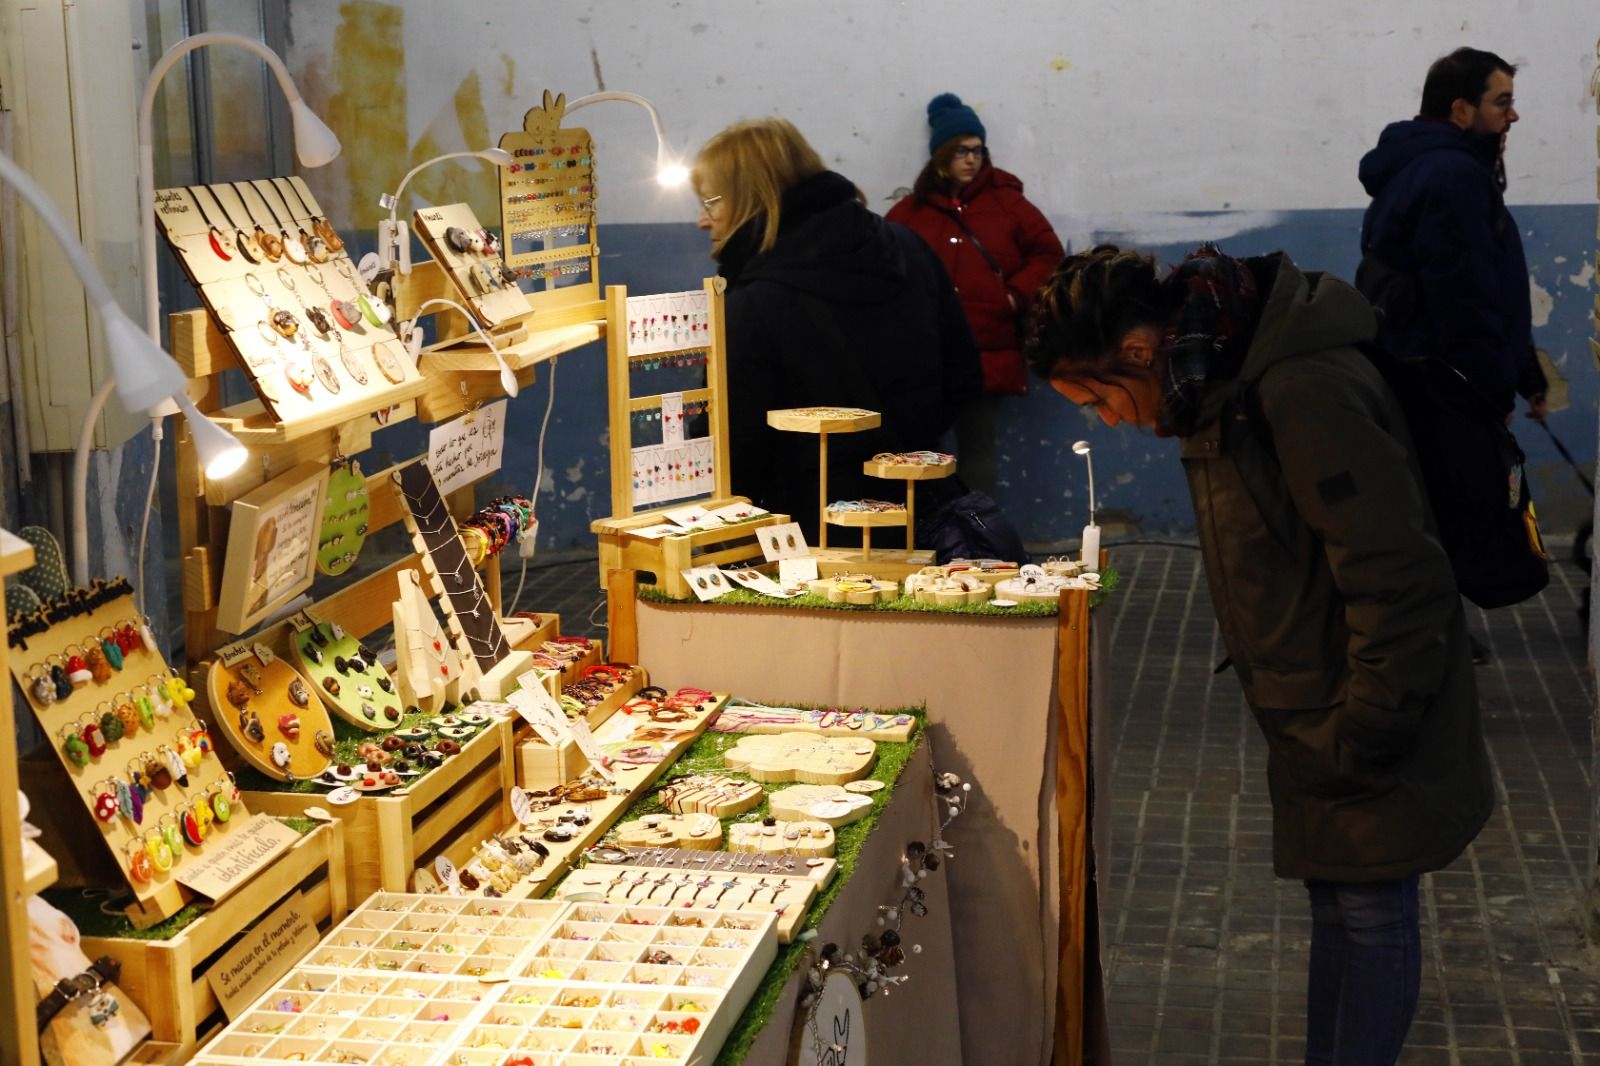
x=707 y=582
x=468 y=448
x=692 y=517
x=783 y=542
x=795 y=573
x=656 y=532
x=738 y=512
x=672 y=418
x=591 y=748
x=756 y=581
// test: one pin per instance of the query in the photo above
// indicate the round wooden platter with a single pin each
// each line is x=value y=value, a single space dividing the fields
x=804 y=757
x=830 y=587
x=698 y=832
x=908 y=471
x=808 y=838
x=276 y=675
x=874 y=519
x=824 y=419
x=361 y=698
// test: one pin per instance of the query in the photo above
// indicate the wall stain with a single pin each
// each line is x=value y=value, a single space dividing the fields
x=464 y=128
x=508 y=79
x=367 y=109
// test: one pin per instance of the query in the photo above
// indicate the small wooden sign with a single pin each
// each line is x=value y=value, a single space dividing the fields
x=263 y=955
x=236 y=856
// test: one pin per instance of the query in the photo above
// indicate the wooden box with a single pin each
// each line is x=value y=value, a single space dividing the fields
x=540 y=766
x=667 y=558
x=388 y=835
x=168 y=978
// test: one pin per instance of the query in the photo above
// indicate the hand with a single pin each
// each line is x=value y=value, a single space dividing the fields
x=1538 y=407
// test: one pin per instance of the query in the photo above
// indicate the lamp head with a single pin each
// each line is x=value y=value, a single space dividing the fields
x=498 y=156
x=314 y=143
x=1080 y=447
x=219 y=451
x=145 y=375
x=670 y=175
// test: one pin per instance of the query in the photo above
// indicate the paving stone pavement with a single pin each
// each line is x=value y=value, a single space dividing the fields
x=1206 y=950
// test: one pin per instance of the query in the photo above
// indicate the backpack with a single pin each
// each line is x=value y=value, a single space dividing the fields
x=971 y=526
x=1472 y=471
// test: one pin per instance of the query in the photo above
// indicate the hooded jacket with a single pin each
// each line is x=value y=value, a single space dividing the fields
x=844 y=309
x=1023 y=245
x=1335 y=600
x=1439 y=219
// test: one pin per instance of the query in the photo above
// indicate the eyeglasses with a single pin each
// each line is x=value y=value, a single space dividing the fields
x=974 y=150
x=710 y=202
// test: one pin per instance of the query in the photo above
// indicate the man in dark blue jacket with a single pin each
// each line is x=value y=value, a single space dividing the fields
x=1441 y=255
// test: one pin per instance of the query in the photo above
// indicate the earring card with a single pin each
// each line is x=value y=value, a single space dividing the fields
x=258 y=250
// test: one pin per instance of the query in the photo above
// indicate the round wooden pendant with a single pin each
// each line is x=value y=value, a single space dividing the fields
x=344 y=520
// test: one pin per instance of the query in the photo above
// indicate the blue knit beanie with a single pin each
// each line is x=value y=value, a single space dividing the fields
x=948 y=117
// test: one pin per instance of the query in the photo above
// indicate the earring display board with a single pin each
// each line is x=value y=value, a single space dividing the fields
x=273 y=538
x=313 y=341
x=547 y=205
x=273 y=717
x=122 y=727
x=345 y=674
x=636 y=984
x=488 y=661
x=751 y=884
x=758 y=718
x=470 y=256
x=344 y=519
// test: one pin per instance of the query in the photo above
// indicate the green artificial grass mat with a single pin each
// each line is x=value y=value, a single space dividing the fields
x=83 y=906
x=743 y=597
x=705 y=756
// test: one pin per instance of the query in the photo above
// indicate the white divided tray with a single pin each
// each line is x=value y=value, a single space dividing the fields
x=562 y=984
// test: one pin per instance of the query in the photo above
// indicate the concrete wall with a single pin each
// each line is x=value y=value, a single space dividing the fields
x=1239 y=122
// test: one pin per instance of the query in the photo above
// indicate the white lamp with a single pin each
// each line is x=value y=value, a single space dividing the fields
x=219 y=451
x=669 y=172
x=144 y=376
x=1091 y=532
x=394 y=240
x=508 y=377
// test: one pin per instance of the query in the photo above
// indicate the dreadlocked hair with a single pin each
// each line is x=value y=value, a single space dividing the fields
x=1079 y=317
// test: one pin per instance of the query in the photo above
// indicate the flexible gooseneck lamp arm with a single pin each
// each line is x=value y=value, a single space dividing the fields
x=392 y=237
x=508 y=377
x=669 y=171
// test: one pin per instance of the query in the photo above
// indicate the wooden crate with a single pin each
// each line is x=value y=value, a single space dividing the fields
x=667 y=558
x=167 y=978
x=387 y=836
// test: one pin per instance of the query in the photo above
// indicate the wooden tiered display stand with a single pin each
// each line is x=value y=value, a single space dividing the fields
x=384 y=835
x=666 y=558
x=18 y=1041
x=910 y=473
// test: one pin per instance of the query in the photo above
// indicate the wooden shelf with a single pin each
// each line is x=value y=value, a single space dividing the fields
x=868 y=519
x=38 y=869
x=16 y=554
x=908 y=471
x=802 y=420
x=535 y=347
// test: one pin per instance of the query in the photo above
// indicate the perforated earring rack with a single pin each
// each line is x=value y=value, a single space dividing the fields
x=305 y=376
x=160 y=896
x=547 y=207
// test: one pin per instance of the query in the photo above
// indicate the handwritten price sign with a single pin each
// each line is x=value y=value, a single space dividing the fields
x=469 y=448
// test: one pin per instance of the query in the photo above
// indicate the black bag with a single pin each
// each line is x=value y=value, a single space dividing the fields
x=1473 y=470
x=971 y=526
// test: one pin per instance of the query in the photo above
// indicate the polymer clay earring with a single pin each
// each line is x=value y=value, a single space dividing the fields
x=111 y=727
x=99 y=667
x=58 y=677
x=160 y=852
x=40 y=687
x=172 y=835
x=126 y=713
x=194 y=833
x=95 y=738
x=146 y=709
x=72 y=745
x=111 y=648
x=220 y=806
x=140 y=866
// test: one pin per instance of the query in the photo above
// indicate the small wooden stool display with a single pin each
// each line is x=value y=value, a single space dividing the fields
x=347 y=673
x=938 y=585
x=273 y=717
x=861 y=589
x=712 y=794
x=824 y=421
x=833 y=804
x=803 y=757
x=910 y=467
x=698 y=832
x=808 y=839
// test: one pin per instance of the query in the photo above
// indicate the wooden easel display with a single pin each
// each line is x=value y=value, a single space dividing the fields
x=641 y=340
x=481 y=280
x=159 y=741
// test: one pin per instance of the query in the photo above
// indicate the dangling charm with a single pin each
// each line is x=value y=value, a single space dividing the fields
x=111 y=649
x=72 y=745
x=41 y=688
x=95 y=738
x=180 y=773
x=140 y=866
x=99 y=666
x=111 y=726
x=172 y=835
x=160 y=852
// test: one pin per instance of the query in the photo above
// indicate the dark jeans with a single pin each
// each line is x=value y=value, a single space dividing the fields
x=1366 y=966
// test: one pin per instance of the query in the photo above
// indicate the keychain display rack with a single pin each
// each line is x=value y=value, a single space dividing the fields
x=141 y=764
x=646 y=336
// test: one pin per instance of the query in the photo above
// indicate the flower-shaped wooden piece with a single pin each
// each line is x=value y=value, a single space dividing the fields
x=819 y=803
x=700 y=832
x=809 y=839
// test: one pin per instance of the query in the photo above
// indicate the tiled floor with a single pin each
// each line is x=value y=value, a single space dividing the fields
x=1207 y=951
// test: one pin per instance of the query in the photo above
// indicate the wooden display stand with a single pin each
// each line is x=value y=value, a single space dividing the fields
x=168 y=978
x=823 y=422
x=667 y=557
x=19 y=1042
x=910 y=473
x=387 y=836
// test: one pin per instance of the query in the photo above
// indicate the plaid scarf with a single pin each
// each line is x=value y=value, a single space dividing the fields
x=1214 y=304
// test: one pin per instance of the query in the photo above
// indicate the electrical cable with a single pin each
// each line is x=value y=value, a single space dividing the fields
x=538 y=479
x=149 y=505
